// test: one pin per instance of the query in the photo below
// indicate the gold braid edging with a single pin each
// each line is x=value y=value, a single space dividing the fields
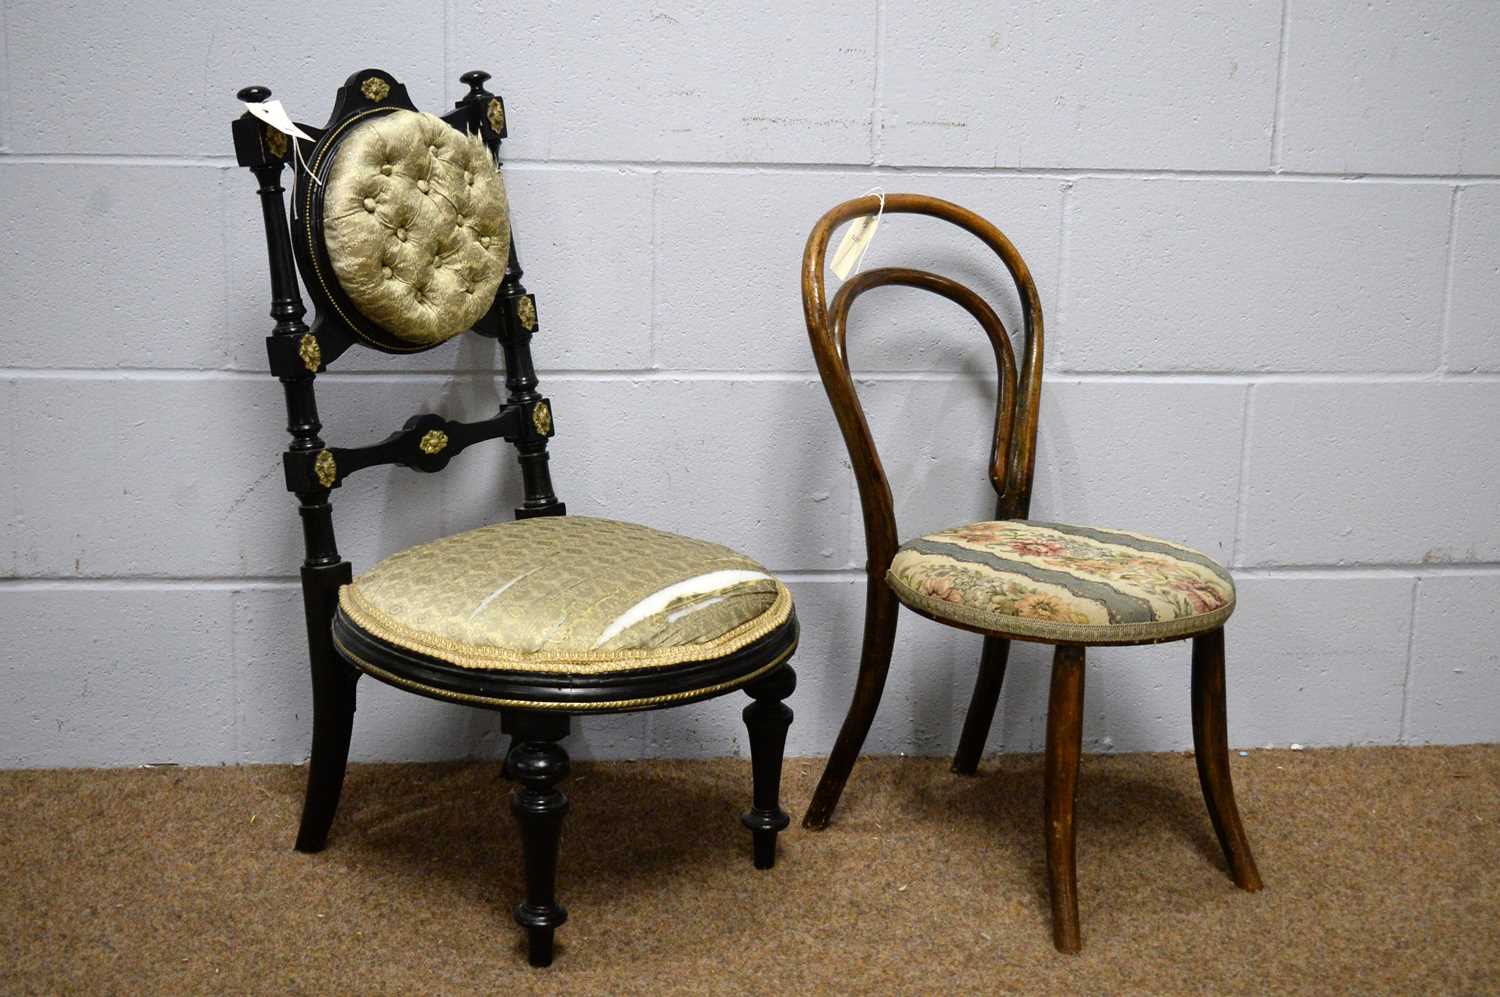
x=531 y=704
x=377 y=623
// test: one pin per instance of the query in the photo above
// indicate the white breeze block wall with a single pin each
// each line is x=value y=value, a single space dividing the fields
x=1266 y=236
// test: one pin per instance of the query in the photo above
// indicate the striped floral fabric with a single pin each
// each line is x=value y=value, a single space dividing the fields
x=1062 y=583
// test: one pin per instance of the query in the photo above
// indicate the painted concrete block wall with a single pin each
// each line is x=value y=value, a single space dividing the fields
x=1267 y=237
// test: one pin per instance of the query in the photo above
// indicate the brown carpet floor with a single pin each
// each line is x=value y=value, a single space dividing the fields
x=1382 y=871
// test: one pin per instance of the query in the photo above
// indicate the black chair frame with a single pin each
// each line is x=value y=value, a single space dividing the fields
x=536 y=710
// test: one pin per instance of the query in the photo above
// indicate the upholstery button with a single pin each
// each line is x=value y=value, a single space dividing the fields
x=468 y=178
x=385 y=272
x=386 y=169
x=484 y=241
x=369 y=204
x=432 y=149
x=401 y=234
x=422 y=185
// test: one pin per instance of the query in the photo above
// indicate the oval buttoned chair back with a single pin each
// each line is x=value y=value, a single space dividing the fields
x=400 y=229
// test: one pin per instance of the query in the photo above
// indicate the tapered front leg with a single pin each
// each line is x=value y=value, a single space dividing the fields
x=333 y=725
x=538 y=762
x=333 y=681
x=982 y=706
x=874 y=664
x=767 y=720
x=1211 y=749
x=1064 y=747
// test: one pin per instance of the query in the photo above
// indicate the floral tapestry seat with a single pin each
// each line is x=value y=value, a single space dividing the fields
x=1011 y=578
x=1053 y=582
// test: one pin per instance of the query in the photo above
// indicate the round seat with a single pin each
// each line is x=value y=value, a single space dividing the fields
x=1062 y=584
x=566 y=611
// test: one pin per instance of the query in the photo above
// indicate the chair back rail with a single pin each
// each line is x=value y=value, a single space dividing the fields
x=297 y=353
x=1013 y=450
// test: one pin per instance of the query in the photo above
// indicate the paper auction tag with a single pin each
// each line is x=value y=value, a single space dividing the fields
x=856 y=241
x=273 y=114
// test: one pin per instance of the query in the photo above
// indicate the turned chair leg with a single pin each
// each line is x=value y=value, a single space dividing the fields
x=767 y=720
x=982 y=706
x=1064 y=746
x=538 y=762
x=874 y=664
x=1211 y=749
x=333 y=724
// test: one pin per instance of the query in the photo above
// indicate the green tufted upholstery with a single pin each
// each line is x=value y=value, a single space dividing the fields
x=1062 y=583
x=416 y=225
x=567 y=595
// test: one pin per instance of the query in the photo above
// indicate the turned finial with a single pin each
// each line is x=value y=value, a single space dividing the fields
x=475 y=78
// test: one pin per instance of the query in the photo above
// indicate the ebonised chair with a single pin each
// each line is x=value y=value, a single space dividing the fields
x=401 y=233
x=1012 y=579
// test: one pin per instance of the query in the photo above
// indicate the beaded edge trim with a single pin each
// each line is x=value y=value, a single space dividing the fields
x=533 y=704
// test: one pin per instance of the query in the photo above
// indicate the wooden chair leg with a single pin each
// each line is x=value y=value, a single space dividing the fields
x=874 y=664
x=767 y=720
x=1211 y=748
x=538 y=762
x=982 y=706
x=1064 y=746
x=333 y=724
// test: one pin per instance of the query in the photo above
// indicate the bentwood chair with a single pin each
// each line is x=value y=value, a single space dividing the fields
x=1011 y=578
x=401 y=233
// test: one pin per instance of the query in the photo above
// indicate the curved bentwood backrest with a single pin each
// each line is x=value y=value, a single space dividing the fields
x=1013 y=453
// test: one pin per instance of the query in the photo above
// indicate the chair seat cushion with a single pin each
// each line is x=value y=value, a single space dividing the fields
x=1061 y=583
x=416 y=226
x=567 y=595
